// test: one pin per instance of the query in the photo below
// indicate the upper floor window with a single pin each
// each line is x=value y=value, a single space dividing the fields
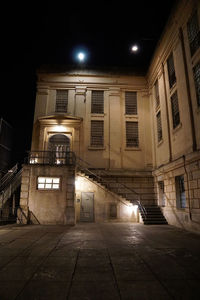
x=97 y=134
x=131 y=103
x=132 y=139
x=196 y=71
x=175 y=110
x=157 y=97
x=193 y=33
x=159 y=126
x=97 y=103
x=171 y=70
x=61 y=101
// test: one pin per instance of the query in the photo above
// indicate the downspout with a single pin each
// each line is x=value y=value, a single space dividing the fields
x=167 y=115
x=188 y=90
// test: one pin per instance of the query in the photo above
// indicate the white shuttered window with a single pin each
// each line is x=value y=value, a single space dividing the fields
x=61 y=100
x=131 y=103
x=97 y=133
x=132 y=139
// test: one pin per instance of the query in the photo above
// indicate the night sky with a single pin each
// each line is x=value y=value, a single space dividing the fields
x=33 y=35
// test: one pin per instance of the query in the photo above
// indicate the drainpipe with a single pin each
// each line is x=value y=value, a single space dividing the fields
x=188 y=90
x=167 y=115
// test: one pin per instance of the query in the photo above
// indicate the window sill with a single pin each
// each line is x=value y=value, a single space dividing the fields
x=132 y=149
x=177 y=128
x=97 y=115
x=96 y=148
x=131 y=116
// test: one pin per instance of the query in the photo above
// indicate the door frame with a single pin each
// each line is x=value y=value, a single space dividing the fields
x=93 y=216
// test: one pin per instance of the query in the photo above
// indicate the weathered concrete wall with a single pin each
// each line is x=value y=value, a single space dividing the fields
x=48 y=206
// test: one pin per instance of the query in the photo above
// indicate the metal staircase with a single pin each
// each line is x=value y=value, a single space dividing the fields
x=9 y=185
x=150 y=214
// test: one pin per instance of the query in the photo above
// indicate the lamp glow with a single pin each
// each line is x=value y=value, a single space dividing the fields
x=134 y=48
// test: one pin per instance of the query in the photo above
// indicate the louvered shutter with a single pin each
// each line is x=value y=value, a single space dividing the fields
x=97 y=103
x=131 y=103
x=159 y=126
x=175 y=110
x=196 y=71
x=171 y=70
x=61 y=100
x=157 y=98
x=193 y=33
x=97 y=133
x=132 y=134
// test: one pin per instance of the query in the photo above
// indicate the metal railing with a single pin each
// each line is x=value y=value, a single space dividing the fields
x=8 y=176
x=51 y=158
x=98 y=176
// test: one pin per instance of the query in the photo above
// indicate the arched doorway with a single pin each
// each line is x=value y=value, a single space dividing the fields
x=59 y=145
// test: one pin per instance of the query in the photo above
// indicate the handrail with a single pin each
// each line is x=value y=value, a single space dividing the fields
x=39 y=157
x=8 y=176
x=142 y=208
x=22 y=214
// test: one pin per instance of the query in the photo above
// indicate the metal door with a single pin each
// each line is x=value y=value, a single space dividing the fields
x=87 y=207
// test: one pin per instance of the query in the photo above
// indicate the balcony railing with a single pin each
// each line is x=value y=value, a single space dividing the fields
x=51 y=158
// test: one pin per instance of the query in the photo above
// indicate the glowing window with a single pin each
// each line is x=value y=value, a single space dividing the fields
x=48 y=183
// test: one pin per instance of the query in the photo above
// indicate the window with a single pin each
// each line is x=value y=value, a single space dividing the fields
x=132 y=134
x=97 y=133
x=97 y=103
x=48 y=183
x=180 y=192
x=61 y=101
x=196 y=71
x=171 y=71
x=157 y=97
x=175 y=110
x=159 y=126
x=131 y=103
x=193 y=33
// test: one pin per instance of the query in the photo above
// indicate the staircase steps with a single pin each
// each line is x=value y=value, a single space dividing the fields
x=153 y=215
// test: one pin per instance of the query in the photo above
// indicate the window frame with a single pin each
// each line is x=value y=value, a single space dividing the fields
x=171 y=71
x=174 y=113
x=59 y=107
x=48 y=183
x=159 y=122
x=130 y=144
x=193 y=32
x=131 y=103
x=98 y=107
x=181 y=203
x=196 y=80
x=94 y=135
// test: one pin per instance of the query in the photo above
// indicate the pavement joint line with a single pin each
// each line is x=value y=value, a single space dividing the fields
x=14 y=257
x=155 y=275
x=71 y=281
x=114 y=275
x=45 y=258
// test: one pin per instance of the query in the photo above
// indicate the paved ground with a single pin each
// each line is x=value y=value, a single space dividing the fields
x=99 y=261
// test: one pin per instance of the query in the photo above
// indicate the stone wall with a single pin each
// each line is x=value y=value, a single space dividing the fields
x=47 y=206
x=189 y=166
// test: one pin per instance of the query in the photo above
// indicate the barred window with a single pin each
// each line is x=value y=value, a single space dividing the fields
x=157 y=97
x=132 y=139
x=131 y=103
x=175 y=110
x=97 y=133
x=196 y=71
x=193 y=33
x=159 y=126
x=48 y=183
x=97 y=103
x=61 y=100
x=171 y=70
x=180 y=192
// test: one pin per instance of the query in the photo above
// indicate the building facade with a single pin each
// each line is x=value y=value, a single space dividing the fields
x=106 y=143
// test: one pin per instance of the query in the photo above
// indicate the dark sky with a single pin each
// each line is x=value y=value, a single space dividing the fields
x=33 y=35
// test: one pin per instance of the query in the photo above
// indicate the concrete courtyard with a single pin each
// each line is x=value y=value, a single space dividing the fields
x=99 y=261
